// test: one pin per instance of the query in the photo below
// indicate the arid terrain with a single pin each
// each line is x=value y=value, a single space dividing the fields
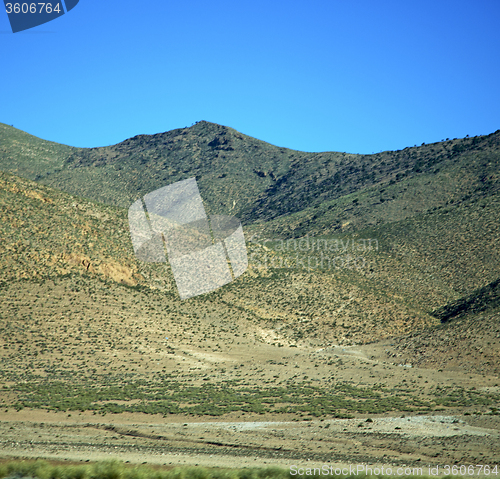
x=396 y=411
x=416 y=441
x=392 y=359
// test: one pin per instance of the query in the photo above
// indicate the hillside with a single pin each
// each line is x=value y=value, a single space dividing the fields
x=431 y=211
x=70 y=243
x=469 y=344
x=54 y=235
x=340 y=314
x=29 y=156
x=483 y=299
x=258 y=182
x=468 y=339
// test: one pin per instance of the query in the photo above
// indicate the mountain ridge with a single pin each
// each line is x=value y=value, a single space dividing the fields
x=259 y=182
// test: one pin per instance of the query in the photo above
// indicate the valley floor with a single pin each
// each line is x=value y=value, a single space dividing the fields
x=79 y=376
x=415 y=441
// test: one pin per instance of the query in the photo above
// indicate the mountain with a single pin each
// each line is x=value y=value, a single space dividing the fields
x=483 y=299
x=292 y=192
x=468 y=340
x=432 y=210
x=372 y=289
x=51 y=235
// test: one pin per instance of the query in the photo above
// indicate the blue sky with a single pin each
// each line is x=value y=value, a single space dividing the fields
x=360 y=76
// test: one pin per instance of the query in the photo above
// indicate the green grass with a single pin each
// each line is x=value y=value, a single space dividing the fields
x=117 y=470
x=172 y=397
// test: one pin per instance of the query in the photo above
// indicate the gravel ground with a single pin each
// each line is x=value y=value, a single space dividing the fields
x=412 y=440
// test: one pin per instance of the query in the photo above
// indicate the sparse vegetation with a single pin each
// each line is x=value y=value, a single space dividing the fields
x=118 y=470
x=83 y=324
